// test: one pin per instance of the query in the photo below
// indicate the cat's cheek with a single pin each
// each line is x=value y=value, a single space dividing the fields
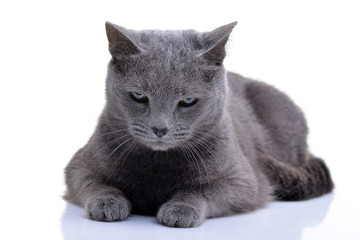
x=134 y=108
x=193 y=111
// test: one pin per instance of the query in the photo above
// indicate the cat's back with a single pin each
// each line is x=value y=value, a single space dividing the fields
x=276 y=123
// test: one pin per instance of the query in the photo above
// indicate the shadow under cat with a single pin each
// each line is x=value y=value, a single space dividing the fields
x=279 y=220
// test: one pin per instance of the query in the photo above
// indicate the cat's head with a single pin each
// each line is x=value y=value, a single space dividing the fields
x=165 y=87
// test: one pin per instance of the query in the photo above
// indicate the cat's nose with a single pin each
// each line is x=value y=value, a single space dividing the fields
x=160 y=132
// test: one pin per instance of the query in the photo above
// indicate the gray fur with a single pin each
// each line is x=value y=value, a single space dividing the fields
x=242 y=144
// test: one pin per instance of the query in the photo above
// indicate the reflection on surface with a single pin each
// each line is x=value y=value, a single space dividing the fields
x=279 y=220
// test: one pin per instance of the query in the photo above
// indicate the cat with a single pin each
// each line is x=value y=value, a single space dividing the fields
x=182 y=139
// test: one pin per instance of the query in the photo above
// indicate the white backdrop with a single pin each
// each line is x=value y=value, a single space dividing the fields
x=53 y=57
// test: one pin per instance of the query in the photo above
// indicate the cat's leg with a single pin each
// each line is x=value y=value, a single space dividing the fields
x=87 y=189
x=107 y=204
x=310 y=180
x=185 y=209
x=191 y=208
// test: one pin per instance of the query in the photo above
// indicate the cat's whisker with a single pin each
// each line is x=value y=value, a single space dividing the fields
x=112 y=141
x=139 y=130
x=181 y=134
x=186 y=155
x=199 y=155
x=104 y=162
x=119 y=121
x=129 y=151
x=137 y=124
x=187 y=152
x=196 y=158
x=116 y=131
x=178 y=138
x=205 y=144
x=124 y=142
x=126 y=150
x=108 y=172
x=208 y=135
x=139 y=134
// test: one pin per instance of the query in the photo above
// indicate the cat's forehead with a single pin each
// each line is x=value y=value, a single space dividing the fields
x=182 y=41
x=168 y=65
x=169 y=50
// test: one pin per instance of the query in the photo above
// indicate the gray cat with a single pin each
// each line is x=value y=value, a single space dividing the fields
x=183 y=139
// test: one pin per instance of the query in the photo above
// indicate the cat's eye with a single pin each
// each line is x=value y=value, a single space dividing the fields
x=138 y=97
x=188 y=102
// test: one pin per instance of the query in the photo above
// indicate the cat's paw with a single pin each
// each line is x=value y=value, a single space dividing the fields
x=107 y=209
x=180 y=215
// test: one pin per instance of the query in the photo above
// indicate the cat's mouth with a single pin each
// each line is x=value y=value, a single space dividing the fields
x=157 y=144
x=160 y=145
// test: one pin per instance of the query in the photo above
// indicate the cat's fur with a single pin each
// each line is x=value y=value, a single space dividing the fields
x=240 y=146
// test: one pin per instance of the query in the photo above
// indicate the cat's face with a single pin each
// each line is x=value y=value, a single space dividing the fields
x=165 y=87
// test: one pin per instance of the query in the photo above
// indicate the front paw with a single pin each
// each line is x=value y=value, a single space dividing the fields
x=107 y=209
x=180 y=215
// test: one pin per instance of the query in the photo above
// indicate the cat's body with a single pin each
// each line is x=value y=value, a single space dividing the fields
x=236 y=146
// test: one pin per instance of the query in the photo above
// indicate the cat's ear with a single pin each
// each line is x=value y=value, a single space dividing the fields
x=215 y=42
x=121 y=41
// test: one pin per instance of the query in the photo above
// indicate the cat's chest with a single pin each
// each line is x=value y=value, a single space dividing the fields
x=156 y=176
x=149 y=182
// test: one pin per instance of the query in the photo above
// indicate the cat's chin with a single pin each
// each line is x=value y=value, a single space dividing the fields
x=160 y=146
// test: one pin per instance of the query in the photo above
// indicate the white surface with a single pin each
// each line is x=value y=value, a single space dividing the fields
x=53 y=58
x=269 y=223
